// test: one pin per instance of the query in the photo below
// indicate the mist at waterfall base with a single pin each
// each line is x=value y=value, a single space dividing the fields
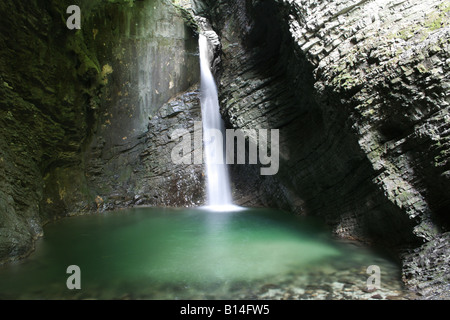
x=155 y=253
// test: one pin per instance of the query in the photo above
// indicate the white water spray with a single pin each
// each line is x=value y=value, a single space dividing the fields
x=218 y=185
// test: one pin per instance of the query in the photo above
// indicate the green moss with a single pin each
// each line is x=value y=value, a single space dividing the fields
x=129 y=2
x=368 y=113
x=87 y=65
x=440 y=18
x=406 y=34
x=106 y=70
x=433 y=21
x=6 y=84
x=345 y=81
x=404 y=196
x=442 y=158
x=89 y=62
x=421 y=68
x=376 y=154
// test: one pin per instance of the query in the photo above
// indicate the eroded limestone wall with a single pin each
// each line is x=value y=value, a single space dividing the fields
x=359 y=91
x=86 y=115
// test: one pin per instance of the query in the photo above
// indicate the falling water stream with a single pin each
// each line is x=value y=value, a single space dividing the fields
x=218 y=185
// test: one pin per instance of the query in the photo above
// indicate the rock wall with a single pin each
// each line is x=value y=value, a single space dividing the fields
x=86 y=115
x=46 y=84
x=151 y=55
x=359 y=92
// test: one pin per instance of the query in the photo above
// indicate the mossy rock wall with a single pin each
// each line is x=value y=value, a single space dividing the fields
x=75 y=110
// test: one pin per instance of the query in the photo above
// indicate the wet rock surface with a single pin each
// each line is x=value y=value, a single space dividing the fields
x=359 y=91
x=426 y=268
x=47 y=82
x=75 y=133
x=144 y=173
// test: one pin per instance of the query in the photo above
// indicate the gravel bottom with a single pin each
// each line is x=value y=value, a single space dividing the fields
x=333 y=281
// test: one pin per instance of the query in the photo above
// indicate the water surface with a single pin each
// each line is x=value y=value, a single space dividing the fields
x=148 y=253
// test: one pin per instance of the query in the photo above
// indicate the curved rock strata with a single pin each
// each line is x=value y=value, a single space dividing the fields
x=359 y=92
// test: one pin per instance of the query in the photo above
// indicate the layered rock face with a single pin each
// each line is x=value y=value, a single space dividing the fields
x=86 y=116
x=44 y=106
x=150 y=91
x=360 y=93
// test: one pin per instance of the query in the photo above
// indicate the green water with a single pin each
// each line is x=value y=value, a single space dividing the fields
x=148 y=253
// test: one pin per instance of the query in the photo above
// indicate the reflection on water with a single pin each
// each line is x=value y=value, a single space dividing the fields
x=149 y=253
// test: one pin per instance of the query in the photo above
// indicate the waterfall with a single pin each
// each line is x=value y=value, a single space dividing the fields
x=217 y=185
